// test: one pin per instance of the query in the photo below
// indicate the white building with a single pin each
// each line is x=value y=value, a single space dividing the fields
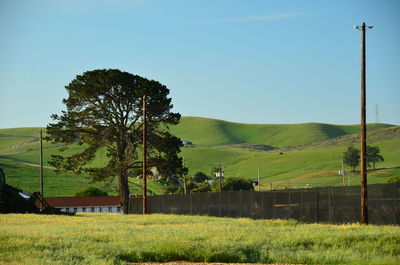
x=100 y=204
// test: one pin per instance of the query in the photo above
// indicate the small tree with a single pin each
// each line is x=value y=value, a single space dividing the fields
x=351 y=157
x=373 y=156
x=200 y=177
x=91 y=192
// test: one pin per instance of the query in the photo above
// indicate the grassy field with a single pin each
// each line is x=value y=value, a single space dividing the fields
x=118 y=239
x=313 y=158
x=212 y=132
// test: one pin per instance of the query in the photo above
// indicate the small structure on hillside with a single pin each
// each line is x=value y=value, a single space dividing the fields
x=187 y=143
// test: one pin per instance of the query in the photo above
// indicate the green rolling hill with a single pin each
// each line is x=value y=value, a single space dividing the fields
x=211 y=132
x=306 y=154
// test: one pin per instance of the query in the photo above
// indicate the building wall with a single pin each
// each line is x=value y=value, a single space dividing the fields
x=92 y=209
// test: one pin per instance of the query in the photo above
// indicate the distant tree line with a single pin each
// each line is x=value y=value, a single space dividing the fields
x=201 y=182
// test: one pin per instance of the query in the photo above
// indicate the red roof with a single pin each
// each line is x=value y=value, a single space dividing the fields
x=83 y=201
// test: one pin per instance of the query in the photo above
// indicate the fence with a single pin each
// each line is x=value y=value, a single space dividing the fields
x=312 y=205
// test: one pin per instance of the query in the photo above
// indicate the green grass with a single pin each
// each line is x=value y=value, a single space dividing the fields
x=119 y=239
x=315 y=162
x=25 y=131
x=26 y=177
x=212 y=132
x=315 y=166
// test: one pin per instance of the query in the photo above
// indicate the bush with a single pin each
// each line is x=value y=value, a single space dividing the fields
x=200 y=177
x=237 y=183
x=172 y=189
x=394 y=180
x=91 y=192
x=202 y=187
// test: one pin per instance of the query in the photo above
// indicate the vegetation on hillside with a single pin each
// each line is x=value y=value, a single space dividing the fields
x=301 y=165
x=212 y=132
x=91 y=192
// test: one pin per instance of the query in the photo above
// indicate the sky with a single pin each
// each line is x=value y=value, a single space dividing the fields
x=271 y=62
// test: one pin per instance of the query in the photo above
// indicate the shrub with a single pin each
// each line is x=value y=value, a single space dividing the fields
x=237 y=183
x=91 y=192
x=202 y=187
x=394 y=180
x=200 y=177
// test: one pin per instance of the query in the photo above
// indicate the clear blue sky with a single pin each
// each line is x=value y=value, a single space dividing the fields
x=243 y=61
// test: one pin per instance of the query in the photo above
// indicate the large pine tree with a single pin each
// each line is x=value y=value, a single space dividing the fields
x=104 y=109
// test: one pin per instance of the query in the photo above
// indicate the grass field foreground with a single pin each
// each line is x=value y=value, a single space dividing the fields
x=118 y=239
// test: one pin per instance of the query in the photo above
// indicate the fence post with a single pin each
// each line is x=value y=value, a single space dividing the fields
x=191 y=203
x=377 y=208
x=329 y=204
x=219 y=204
x=162 y=203
x=301 y=206
x=208 y=203
x=229 y=204
x=240 y=203
x=290 y=206
x=317 y=206
x=262 y=204
x=394 y=210
x=251 y=204
x=273 y=206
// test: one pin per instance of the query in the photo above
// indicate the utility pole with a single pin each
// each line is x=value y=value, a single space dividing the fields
x=363 y=130
x=144 y=172
x=220 y=177
x=41 y=169
x=343 y=173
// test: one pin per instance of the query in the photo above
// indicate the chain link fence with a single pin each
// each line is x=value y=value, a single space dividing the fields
x=312 y=205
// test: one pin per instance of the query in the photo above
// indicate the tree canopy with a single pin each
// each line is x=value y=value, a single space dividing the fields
x=91 y=192
x=373 y=156
x=200 y=177
x=237 y=183
x=351 y=157
x=104 y=109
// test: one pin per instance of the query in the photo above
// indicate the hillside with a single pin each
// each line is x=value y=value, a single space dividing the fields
x=212 y=132
x=302 y=154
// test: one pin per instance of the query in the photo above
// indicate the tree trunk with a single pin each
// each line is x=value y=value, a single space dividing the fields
x=124 y=191
x=123 y=176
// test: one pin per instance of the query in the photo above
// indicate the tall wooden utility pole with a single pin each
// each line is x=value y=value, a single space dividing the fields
x=144 y=197
x=41 y=168
x=363 y=130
